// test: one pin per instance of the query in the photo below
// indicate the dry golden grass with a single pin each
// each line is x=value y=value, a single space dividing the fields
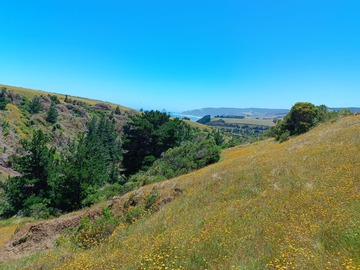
x=294 y=205
x=248 y=121
x=6 y=233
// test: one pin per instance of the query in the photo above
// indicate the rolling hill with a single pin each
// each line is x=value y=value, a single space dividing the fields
x=294 y=205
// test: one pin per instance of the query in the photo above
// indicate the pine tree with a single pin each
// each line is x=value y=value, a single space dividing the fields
x=52 y=114
x=3 y=99
x=35 y=105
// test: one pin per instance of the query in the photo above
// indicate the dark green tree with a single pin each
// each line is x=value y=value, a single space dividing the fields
x=52 y=114
x=36 y=166
x=206 y=119
x=35 y=105
x=87 y=164
x=4 y=100
x=117 y=110
x=301 y=118
x=148 y=135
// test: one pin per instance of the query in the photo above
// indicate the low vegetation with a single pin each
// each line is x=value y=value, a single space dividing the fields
x=293 y=205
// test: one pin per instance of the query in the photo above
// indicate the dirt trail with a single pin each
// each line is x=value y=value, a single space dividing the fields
x=34 y=237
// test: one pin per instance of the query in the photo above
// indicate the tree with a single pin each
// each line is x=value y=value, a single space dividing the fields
x=52 y=114
x=3 y=99
x=36 y=167
x=206 y=119
x=87 y=164
x=35 y=105
x=302 y=117
x=117 y=110
x=148 y=135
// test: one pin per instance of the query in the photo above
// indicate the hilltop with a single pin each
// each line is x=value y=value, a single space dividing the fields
x=263 y=206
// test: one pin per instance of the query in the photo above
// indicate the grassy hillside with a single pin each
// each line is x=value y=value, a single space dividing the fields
x=294 y=205
x=17 y=123
x=30 y=93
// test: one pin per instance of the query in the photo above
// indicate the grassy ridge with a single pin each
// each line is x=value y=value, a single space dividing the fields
x=294 y=205
x=30 y=93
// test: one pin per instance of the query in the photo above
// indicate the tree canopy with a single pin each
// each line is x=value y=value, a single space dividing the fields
x=147 y=136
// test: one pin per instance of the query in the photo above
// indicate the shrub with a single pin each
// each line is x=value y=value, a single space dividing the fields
x=89 y=234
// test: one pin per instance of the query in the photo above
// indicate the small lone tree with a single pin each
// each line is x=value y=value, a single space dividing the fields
x=35 y=105
x=301 y=118
x=3 y=99
x=117 y=110
x=52 y=114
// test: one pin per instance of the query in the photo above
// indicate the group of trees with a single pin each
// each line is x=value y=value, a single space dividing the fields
x=301 y=118
x=4 y=100
x=72 y=178
x=148 y=135
x=65 y=180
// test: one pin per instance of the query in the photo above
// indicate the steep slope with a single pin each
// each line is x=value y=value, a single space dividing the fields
x=17 y=123
x=294 y=205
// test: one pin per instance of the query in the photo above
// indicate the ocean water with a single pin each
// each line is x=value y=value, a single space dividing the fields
x=179 y=115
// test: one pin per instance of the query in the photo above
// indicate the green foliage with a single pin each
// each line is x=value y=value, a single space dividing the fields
x=206 y=119
x=87 y=164
x=5 y=127
x=36 y=167
x=69 y=181
x=4 y=100
x=180 y=160
x=90 y=234
x=148 y=135
x=52 y=114
x=301 y=118
x=218 y=137
x=151 y=198
x=117 y=110
x=134 y=214
x=35 y=105
x=54 y=99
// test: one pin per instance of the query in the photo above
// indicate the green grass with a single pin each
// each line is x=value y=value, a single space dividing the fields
x=266 y=205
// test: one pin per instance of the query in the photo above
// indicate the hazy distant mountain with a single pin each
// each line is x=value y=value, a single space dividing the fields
x=352 y=109
x=254 y=112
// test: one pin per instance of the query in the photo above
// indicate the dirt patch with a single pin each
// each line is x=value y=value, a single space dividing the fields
x=40 y=236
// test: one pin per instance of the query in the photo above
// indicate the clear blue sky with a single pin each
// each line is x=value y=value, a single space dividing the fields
x=187 y=54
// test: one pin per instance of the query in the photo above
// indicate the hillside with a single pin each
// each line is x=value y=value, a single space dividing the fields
x=16 y=123
x=293 y=205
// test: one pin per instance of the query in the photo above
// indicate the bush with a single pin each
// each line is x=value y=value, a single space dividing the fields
x=180 y=160
x=90 y=234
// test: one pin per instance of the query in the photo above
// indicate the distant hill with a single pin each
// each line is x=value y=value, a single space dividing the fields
x=251 y=112
x=352 y=109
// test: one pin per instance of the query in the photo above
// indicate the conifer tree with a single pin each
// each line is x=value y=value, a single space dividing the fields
x=52 y=114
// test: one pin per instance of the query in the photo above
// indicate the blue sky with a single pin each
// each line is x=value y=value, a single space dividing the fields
x=179 y=55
